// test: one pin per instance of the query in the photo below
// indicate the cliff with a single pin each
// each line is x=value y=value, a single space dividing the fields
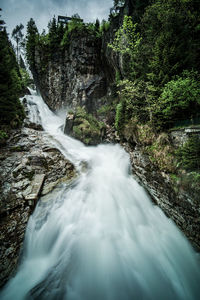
x=72 y=77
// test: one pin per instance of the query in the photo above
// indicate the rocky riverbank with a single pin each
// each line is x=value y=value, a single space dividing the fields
x=27 y=153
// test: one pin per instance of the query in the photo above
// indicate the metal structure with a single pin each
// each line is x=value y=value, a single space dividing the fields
x=65 y=20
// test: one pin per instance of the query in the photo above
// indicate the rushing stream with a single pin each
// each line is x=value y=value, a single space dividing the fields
x=100 y=238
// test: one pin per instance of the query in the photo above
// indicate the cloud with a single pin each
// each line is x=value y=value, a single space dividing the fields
x=20 y=11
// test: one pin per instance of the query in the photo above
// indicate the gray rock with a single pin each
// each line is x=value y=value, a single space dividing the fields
x=75 y=77
x=19 y=169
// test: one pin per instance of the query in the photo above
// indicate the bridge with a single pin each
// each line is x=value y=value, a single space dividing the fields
x=65 y=20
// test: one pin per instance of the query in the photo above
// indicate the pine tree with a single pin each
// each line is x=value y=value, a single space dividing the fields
x=11 y=112
x=54 y=39
x=31 y=41
x=17 y=35
x=2 y=23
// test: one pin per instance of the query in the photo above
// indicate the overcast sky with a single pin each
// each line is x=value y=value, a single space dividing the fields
x=20 y=11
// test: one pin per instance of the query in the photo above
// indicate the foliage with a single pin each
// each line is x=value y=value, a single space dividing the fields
x=3 y=136
x=153 y=56
x=54 y=38
x=17 y=35
x=31 y=42
x=97 y=25
x=117 y=77
x=126 y=38
x=189 y=154
x=126 y=42
x=25 y=78
x=137 y=98
x=105 y=25
x=11 y=111
x=119 y=117
x=180 y=99
x=87 y=128
x=2 y=23
x=75 y=25
x=162 y=153
x=170 y=39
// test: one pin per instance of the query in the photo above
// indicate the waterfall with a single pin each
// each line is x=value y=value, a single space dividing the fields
x=100 y=238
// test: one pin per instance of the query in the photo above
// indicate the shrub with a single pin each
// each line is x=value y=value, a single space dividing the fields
x=3 y=136
x=179 y=99
x=119 y=117
x=189 y=154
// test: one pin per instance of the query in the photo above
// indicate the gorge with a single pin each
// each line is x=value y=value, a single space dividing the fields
x=112 y=132
x=100 y=237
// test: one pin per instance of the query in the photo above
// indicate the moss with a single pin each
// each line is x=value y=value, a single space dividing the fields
x=3 y=137
x=87 y=128
x=16 y=149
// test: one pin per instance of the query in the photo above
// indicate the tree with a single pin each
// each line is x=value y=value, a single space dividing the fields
x=17 y=35
x=170 y=44
x=97 y=25
x=11 y=111
x=31 y=41
x=126 y=42
x=56 y=33
x=179 y=100
x=189 y=154
x=2 y=23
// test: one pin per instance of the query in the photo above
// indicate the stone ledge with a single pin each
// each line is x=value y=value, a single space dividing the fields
x=36 y=184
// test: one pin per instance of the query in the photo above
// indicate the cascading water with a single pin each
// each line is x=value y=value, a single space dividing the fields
x=101 y=238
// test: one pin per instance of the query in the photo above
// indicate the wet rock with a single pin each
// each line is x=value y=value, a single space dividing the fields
x=33 y=126
x=27 y=154
x=176 y=204
x=85 y=127
x=69 y=122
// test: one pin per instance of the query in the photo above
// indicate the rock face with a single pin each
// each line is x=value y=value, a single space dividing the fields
x=171 y=197
x=28 y=153
x=173 y=200
x=73 y=77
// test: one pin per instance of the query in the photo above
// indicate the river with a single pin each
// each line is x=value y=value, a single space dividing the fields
x=100 y=238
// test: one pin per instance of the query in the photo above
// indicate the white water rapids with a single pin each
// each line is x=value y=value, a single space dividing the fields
x=100 y=238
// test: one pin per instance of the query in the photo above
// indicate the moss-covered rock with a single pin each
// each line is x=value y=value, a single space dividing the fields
x=86 y=128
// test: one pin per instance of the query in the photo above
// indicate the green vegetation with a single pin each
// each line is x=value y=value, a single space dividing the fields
x=58 y=37
x=158 y=84
x=11 y=85
x=87 y=128
x=31 y=42
x=3 y=137
x=157 y=65
x=160 y=63
x=105 y=25
x=17 y=35
x=180 y=99
x=189 y=154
